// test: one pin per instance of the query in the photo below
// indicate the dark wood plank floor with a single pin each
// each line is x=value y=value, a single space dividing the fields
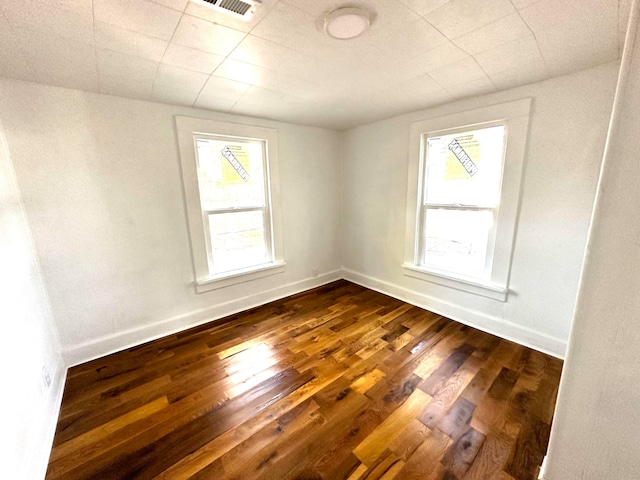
x=337 y=383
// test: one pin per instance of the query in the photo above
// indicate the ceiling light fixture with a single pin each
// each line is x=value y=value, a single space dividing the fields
x=346 y=22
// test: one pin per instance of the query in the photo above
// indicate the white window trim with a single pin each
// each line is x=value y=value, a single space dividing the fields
x=188 y=129
x=515 y=115
x=214 y=282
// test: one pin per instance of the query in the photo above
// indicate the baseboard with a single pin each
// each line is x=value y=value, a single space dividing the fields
x=496 y=326
x=80 y=353
x=41 y=448
x=543 y=467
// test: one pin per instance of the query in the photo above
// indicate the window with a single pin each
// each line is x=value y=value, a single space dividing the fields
x=463 y=191
x=231 y=190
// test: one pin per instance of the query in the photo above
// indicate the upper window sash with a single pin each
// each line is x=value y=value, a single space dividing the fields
x=482 y=187
x=259 y=147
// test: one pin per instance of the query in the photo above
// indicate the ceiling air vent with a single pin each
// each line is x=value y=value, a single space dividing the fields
x=238 y=8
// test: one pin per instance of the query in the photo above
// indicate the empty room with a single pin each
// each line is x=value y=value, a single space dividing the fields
x=314 y=239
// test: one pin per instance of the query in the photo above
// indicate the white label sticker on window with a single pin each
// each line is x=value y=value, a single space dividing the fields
x=237 y=166
x=463 y=157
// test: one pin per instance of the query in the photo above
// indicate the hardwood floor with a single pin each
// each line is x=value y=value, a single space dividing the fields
x=336 y=383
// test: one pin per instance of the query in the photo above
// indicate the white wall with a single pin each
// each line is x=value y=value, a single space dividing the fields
x=596 y=429
x=28 y=342
x=567 y=132
x=101 y=181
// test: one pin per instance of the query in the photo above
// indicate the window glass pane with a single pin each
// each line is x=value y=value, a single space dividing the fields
x=465 y=168
x=237 y=240
x=230 y=173
x=457 y=240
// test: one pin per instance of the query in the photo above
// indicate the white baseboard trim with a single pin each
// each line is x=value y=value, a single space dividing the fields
x=84 y=352
x=41 y=448
x=496 y=326
x=543 y=467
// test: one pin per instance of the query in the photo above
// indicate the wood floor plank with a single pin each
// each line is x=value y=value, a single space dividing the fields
x=290 y=459
x=490 y=460
x=187 y=438
x=339 y=382
x=213 y=450
x=213 y=470
x=387 y=468
x=108 y=428
x=250 y=456
x=462 y=453
x=458 y=418
x=448 y=393
x=364 y=382
x=425 y=461
x=438 y=379
x=92 y=415
x=358 y=473
x=413 y=435
x=391 y=428
x=529 y=450
x=131 y=448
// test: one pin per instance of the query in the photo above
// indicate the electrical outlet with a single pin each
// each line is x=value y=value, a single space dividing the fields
x=314 y=272
x=46 y=377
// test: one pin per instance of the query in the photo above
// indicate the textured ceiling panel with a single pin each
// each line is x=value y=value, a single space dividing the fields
x=278 y=64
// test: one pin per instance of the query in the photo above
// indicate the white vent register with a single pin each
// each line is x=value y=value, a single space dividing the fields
x=237 y=8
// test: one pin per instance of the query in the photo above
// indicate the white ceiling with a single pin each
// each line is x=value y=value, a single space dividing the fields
x=418 y=53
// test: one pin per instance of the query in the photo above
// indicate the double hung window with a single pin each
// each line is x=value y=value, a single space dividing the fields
x=463 y=190
x=230 y=180
x=461 y=196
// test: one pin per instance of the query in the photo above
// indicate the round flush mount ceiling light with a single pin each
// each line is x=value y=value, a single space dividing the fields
x=346 y=22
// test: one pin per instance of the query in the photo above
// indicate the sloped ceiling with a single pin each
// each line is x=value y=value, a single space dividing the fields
x=279 y=65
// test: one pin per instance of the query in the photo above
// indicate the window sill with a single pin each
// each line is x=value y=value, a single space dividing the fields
x=496 y=292
x=214 y=282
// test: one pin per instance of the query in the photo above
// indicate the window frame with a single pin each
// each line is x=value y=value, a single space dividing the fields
x=514 y=115
x=191 y=129
x=266 y=209
x=425 y=206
